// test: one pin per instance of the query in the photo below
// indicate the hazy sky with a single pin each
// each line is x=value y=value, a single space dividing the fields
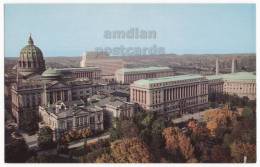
x=69 y=30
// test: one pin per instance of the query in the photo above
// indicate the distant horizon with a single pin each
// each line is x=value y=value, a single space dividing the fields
x=202 y=54
x=68 y=30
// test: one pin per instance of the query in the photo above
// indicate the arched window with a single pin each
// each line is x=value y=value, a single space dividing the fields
x=29 y=64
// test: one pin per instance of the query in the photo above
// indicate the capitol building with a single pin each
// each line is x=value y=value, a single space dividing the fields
x=36 y=86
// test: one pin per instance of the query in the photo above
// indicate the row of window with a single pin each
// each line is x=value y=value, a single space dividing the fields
x=28 y=64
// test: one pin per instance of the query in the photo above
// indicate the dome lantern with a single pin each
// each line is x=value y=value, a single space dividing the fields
x=30 y=40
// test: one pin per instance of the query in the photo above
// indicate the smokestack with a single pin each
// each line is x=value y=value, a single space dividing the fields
x=234 y=65
x=217 y=66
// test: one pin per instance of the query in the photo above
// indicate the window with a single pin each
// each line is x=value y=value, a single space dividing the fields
x=33 y=99
x=59 y=96
x=80 y=121
x=69 y=124
x=29 y=64
x=85 y=120
x=99 y=117
x=92 y=120
x=77 y=122
x=65 y=95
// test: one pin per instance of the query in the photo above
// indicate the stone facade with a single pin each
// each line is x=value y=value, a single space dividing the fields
x=215 y=85
x=91 y=73
x=62 y=117
x=171 y=95
x=240 y=84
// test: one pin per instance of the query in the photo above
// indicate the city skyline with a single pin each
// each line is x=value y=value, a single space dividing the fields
x=180 y=29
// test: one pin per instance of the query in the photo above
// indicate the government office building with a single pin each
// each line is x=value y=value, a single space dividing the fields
x=171 y=96
x=129 y=75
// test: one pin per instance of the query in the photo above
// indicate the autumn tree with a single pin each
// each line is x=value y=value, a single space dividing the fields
x=240 y=150
x=186 y=147
x=131 y=150
x=198 y=131
x=219 y=121
x=171 y=140
x=178 y=143
x=105 y=158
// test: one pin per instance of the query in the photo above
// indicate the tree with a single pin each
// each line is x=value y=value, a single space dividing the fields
x=45 y=138
x=219 y=121
x=105 y=158
x=186 y=147
x=244 y=130
x=17 y=151
x=49 y=159
x=138 y=118
x=239 y=150
x=85 y=132
x=115 y=134
x=212 y=126
x=171 y=140
x=158 y=125
x=124 y=129
x=199 y=131
x=130 y=150
x=128 y=129
x=147 y=121
x=219 y=154
x=177 y=143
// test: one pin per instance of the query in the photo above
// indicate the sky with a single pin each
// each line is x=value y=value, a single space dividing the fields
x=70 y=30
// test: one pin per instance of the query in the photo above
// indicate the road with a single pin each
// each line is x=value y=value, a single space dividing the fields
x=79 y=143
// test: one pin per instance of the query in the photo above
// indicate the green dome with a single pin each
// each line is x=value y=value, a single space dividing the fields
x=51 y=72
x=31 y=59
x=31 y=53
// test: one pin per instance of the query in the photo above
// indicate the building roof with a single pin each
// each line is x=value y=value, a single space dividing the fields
x=143 y=82
x=212 y=77
x=73 y=108
x=90 y=68
x=51 y=72
x=143 y=69
x=234 y=76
